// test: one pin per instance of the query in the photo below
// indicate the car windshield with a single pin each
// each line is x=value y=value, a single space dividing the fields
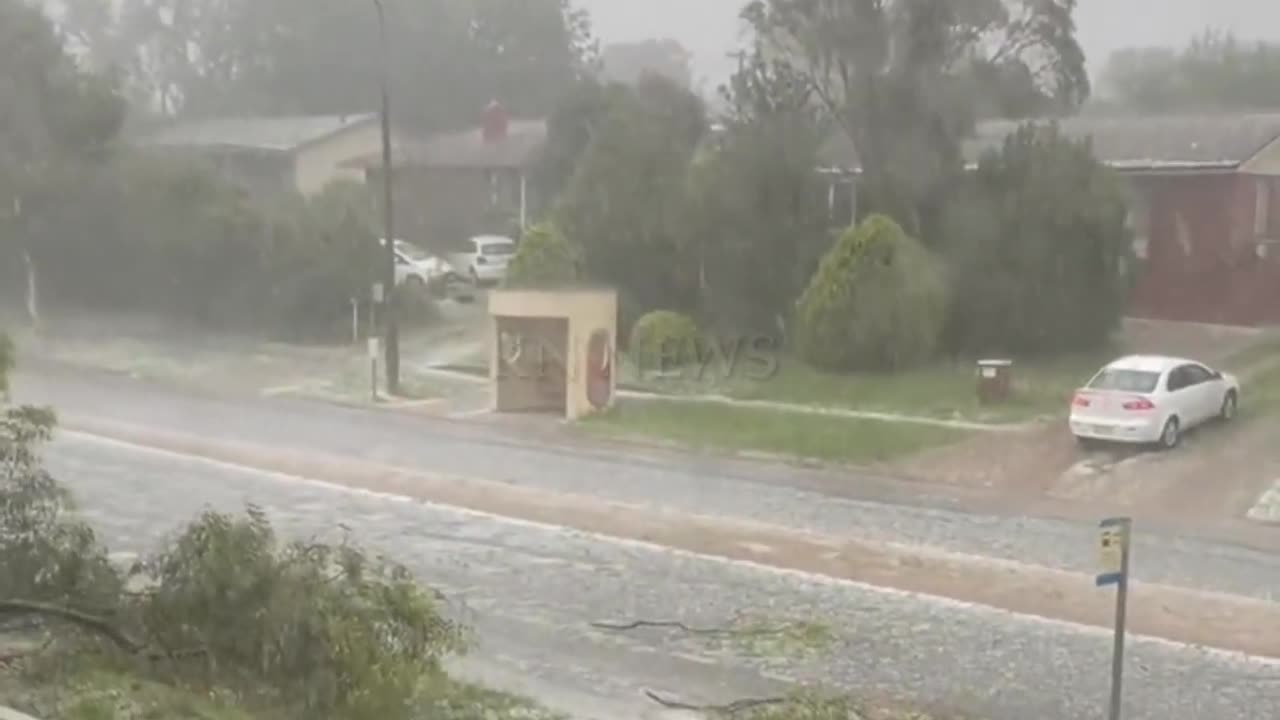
x=498 y=249
x=1136 y=381
x=413 y=252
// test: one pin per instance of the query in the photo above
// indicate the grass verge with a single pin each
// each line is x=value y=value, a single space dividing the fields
x=86 y=691
x=946 y=390
x=941 y=391
x=797 y=435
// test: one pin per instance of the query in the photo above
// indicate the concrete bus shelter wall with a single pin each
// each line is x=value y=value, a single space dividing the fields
x=569 y=333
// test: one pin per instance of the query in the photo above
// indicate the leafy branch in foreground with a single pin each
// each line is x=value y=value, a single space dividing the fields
x=306 y=629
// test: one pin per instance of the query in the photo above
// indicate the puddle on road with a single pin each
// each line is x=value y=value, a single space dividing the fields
x=1121 y=475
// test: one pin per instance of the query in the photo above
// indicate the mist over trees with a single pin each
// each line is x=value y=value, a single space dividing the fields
x=448 y=58
x=716 y=215
x=1215 y=71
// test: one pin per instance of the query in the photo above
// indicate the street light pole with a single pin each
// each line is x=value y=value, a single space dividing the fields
x=390 y=294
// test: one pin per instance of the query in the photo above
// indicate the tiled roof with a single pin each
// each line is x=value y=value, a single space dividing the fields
x=271 y=134
x=1130 y=142
x=467 y=149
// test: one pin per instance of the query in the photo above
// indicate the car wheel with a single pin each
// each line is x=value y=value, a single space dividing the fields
x=1229 y=406
x=1171 y=435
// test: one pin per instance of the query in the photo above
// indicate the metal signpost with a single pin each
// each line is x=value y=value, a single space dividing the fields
x=1113 y=569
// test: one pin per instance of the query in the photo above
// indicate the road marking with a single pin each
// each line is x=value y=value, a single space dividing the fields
x=816 y=578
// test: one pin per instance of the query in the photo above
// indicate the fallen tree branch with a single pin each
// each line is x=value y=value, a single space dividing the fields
x=88 y=622
x=98 y=625
x=674 y=624
x=732 y=708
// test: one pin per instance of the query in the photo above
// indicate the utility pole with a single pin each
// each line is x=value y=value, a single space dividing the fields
x=391 y=315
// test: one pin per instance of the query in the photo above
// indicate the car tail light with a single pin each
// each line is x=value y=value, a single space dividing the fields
x=1080 y=400
x=1139 y=404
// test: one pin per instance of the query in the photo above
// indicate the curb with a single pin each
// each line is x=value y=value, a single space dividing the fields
x=11 y=714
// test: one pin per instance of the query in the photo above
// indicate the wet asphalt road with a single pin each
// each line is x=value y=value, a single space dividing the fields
x=824 y=502
x=531 y=591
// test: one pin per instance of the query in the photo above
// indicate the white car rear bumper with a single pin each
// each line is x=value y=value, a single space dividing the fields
x=1144 y=430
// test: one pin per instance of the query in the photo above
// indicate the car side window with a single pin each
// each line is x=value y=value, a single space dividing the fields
x=1197 y=374
x=1177 y=379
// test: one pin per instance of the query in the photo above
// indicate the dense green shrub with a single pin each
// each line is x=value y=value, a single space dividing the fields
x=544 y=258
x=1037 y=249
x=877 y=302
x=168 y=235
x=663 y=337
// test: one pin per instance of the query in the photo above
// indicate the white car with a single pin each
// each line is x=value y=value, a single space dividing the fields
x=484 y=259
x=1152 y=399
x=418 y=269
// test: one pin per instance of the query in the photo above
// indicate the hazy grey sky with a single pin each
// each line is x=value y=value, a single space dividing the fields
x=709 y=28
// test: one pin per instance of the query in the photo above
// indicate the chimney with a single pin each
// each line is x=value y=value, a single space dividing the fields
x=494 y=123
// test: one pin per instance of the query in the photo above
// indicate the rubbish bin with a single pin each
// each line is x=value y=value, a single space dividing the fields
x=995 y=381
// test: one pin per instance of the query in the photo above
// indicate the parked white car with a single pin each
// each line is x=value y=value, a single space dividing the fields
x=1152 y=399
x=418 y=269
x=484 y=259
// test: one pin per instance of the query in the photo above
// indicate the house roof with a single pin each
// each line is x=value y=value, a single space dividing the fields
x=265 y=134
x=468 y=149
x=1129 y=143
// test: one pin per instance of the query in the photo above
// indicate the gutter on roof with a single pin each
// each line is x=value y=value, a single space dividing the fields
x=1154 y=167
x=357 y=121
x=219 y=147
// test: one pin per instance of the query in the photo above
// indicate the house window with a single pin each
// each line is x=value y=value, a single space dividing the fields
x=1262 y=208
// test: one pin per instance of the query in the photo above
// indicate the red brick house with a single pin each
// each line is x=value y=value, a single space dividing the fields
x=1204 y=209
